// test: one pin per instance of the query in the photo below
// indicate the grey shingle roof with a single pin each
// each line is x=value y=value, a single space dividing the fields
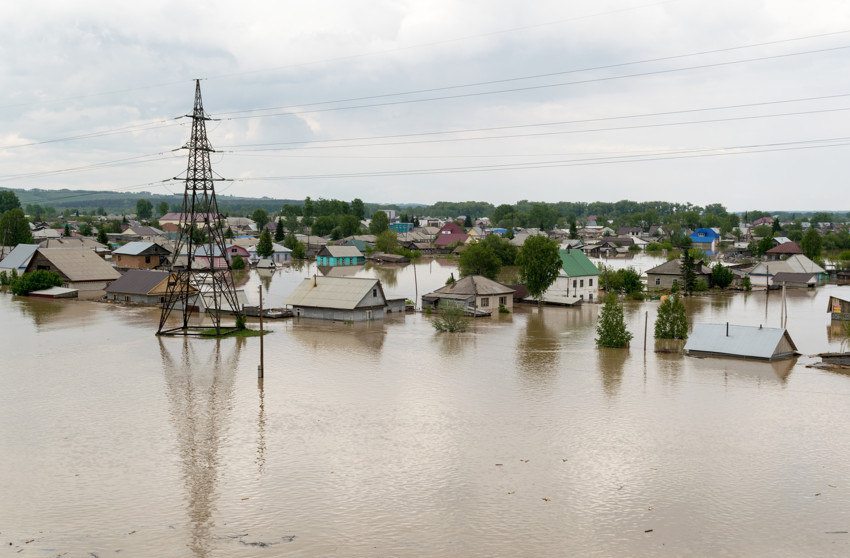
x=137 y=281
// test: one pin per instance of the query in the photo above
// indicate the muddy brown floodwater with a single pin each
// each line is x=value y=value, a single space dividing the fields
x=517 y=438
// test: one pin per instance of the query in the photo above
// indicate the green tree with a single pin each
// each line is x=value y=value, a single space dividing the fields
x=299 y=251
x=452 y=318
x=229 y=233
x=721 y=276
x=85 y=229
x=144 y=209
x=689 y=272
x=309 y=210
x=8 y=201
x=505 y=251
x=35 y=281
x=67 y=231
x=349 y=225
x=260 y=217
x=162 y=208
x=380 y=222
x=763 y=231
x=467 y=222
x=278 y=230
x=237 y=262
x=611 y=328
x=672 y=321
x=358 y=209
x=101 y=235
x=14 y=228
x=264 y=247
x=323 y=225
x=479 y=259
x=539 y=264
x=573 y=229
x=386 y=242
x=812 y=244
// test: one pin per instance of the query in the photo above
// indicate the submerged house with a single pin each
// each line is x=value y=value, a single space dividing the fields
x=473 y=291
x=763 y=273
x=661 y=277
x=79 y=269
x=140 y=255
x=839 y=306
x=578 y=280
x=750 y=342
x=349 y=299
x=140 y=287
x=18 y=258
x=339 y=255
x=705 y=239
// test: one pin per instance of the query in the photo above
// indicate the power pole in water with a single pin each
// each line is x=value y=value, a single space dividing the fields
x=194 y=286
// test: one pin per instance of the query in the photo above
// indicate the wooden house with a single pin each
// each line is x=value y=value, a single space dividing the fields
x=661 y=277
x=339 y=255
x=140 y=255
x=705 y=239
x=578 y=280
x=79 y=269
x=139 y=286
x=18 y=258
x=474 y=292
x=839 y=306
x=348 y=299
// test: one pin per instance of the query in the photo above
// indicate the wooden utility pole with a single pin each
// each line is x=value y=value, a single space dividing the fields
x=260 y=367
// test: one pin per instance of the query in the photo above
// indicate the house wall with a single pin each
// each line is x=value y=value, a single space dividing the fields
x=585 y=287
x=783 y=348
x=492 y=302
x=136 y=262
x=87 y=285
x=133 y=298
x=356 y=315
x=657 y=282
x=329 y=261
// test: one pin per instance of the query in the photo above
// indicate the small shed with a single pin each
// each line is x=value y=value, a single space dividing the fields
x=55 y=292
x=797 y=280
x=473 y=291
x=737 y=341
x=839 y=306
x=339 y=255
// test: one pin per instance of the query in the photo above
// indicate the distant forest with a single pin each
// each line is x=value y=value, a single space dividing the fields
x=524 y=212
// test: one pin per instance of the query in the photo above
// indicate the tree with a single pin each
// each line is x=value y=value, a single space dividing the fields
x=264 y=247
x=672 y=321
x=721 y=275
x=278 y=230
x=14 y=228
x=101 y=235
x=144 y=209
x=467 y=222
x=812 y=244
x=237 y=262
x=162 y=208
x=8 y=200
x=349 y=225
x=323 y=225
x=358 y=209
x=611 y=327
x=539 y=264
x=479 y=259
x=386 y=242
x=35 y=281
x=452 y=318
x=689 y=273
x=380 y=222
x=228 y=233
x=573 y=229
x=85 y=229
x=299 y=251
x=260 y=217
x=67 y=231
x=505 y=251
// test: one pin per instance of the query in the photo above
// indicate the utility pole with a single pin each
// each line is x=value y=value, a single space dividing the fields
x=196 y=286
x=260 y=367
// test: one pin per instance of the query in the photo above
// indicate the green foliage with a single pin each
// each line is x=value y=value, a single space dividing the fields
x=689 y=272
x=701 y=286
x=611 y=328
x=539 y=264
x=387 y=242
x=674 y=288
x=672 y=321
x=67 y=231
x=101 y=235
x=299 y=251
x=162 y=208
x=264 y=247
x=85 y=229
x=35 y=281
x=451 y=279
x=240 y=318
x=144 y=209
x=4 y=278
x=380 y=222
x=503 y=309
x=504 y=250
x=260 y=217
x=8 y=200
x=747 y=284
x=229 y=233
x=451 y=319
x=278 y=230
x=721 y=276
x=763 y=230
x=14 y=228
x=479 y=259
x=237 y=262
x=812 y=244
x=358 y=209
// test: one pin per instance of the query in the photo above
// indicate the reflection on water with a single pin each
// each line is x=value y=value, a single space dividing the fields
x=200 y=392
x=538 y=351
x=773 y=372
x=388 y=274
x=611 y=363
x=265 y=276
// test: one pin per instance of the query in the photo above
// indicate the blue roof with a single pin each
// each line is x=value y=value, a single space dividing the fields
x=704 y=235
x=19 y=257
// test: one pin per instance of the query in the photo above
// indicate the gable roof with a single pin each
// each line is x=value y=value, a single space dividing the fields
x=789 y=277
x=79 y=265
x=475 y=285
x=19 y=257
x=741 y=341
x=346 y=251
x=141 y=249
x=674 y=267
x=789 y=247
x=343 y=293
x=137 y=281
x=575 y=263
x=450 y=238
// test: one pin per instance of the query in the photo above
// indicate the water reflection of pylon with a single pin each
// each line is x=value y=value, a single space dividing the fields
x=193 y=286
x=200 y=396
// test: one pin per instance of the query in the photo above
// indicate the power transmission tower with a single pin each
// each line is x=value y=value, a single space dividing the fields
x=207 y=284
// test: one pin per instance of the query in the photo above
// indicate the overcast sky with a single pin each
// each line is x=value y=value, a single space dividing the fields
x=425 y=100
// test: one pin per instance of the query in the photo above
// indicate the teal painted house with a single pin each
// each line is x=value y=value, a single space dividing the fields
x=339 y=255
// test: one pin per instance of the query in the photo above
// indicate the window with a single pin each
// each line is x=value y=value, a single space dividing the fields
x=375 y=293
x=503 y=300
x=581 y=283
x=590 y=296
x=657 y=281
x=581 y=297
x=147 y=259
x=485 y=302
x=574 y=283
x=590 y=282
x=126 y=298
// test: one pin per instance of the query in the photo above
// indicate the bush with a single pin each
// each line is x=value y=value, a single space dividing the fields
x=35 y=281
x=721 y=275
x=452 y=318
x=672 y=322
x=747 y=284
x=240 y=319
x=237 y=262
x=503 y=310
x=611 y=327
x=701 y=286
x=675 y=287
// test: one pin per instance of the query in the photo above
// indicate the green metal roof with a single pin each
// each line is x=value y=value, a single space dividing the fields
x=576 y=264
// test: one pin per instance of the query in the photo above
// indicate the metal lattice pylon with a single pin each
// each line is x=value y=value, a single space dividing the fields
x=199 y=279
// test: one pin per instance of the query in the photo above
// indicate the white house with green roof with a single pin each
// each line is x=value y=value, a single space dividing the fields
x=578 y=281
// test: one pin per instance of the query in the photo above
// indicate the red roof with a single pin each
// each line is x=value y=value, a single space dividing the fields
x=786 y=248
x=451 y=228
x=449 y=239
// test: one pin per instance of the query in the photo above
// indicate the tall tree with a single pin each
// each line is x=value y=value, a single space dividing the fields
x=611 y=327
x=380 y=222
x=101 y=234
x=8 y=200
x=539 y=264
x=278 y=230
x=260 y=217
x=812 y=244
x=264 y=247
x=162 y=208
x=14 y=228
x=144 y=209
x=672 y=321
x=358 y=209
x=688 y=271
x=386 y=242
x=479 y=259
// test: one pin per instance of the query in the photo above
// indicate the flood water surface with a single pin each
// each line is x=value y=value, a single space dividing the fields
x=516 y=438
